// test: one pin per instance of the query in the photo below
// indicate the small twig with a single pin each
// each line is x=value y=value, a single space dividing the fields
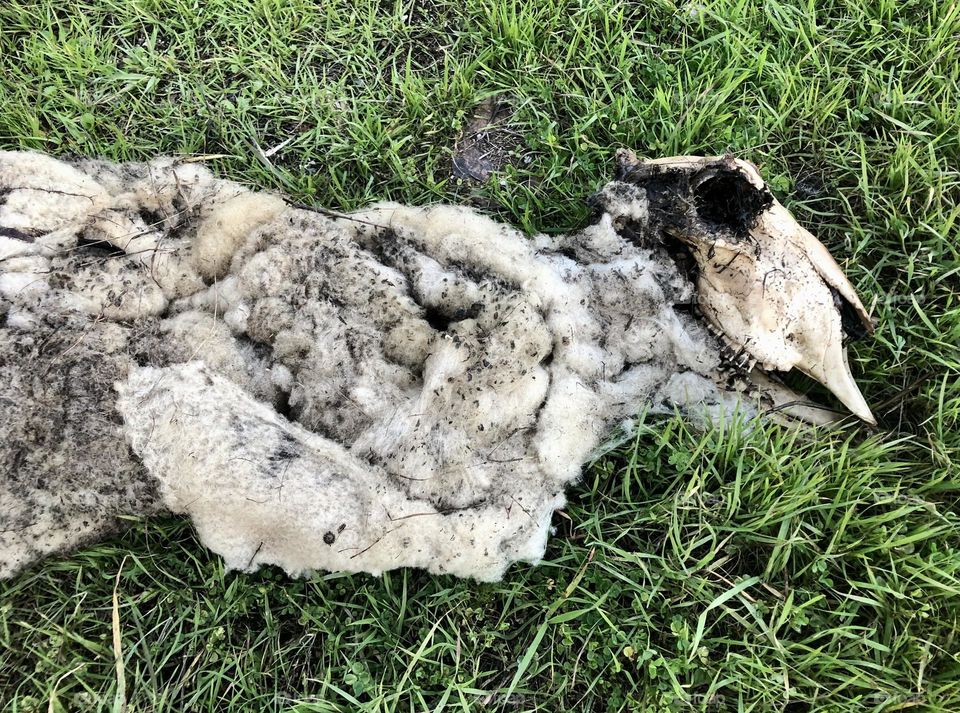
x=334 y=214
x=254 y=555
x=372 y=544
x=50 y=190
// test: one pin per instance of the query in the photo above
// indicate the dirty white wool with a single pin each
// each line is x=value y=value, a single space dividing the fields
x=409 y=386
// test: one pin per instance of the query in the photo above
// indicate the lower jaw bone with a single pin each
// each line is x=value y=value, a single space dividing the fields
x=401 y=386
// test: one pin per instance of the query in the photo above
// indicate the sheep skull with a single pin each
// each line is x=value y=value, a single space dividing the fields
x=769 y=287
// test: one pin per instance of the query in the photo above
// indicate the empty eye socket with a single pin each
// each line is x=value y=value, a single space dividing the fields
x=727 y=199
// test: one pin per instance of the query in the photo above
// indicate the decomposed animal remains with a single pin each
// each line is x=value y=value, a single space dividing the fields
x=401 y=386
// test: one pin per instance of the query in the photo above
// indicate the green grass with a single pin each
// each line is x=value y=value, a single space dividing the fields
x=744 y=569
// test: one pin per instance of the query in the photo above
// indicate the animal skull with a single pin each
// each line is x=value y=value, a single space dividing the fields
x=769 y=287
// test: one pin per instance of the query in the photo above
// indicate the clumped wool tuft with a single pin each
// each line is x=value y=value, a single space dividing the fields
x=399 y=387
